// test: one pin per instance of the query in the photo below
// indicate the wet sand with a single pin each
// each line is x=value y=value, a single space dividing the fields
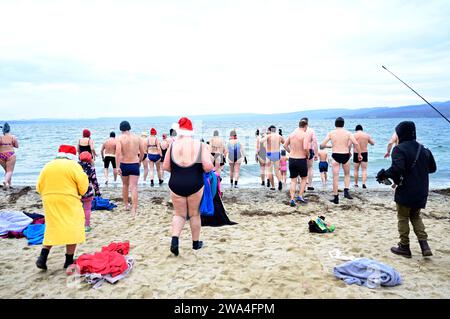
x=269 y=254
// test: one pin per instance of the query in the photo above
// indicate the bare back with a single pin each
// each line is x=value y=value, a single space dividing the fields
x=128 y=148
x=298 y=144
x=110 y=147
x=8 y=143
x=274 y=141
x=323 y=155
x=341 y=140
x=363 y=140
x=217 y=145
x=153 y=146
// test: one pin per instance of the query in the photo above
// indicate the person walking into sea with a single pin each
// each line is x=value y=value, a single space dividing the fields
x=341 y=141
x=165 y=143
x=273 y=142
x=260 y=156
x=298 y=146
x=86 y=144
x=145 y=164
x=108 y=153
x=364 y=140
x=217 y=145
x=236 y=155
x=323 y=166
x=187 y=160
x=154 y=156
x=7 y=155
x=61 y=184
x=313 y=152
x=93 y=189
x=392 y=142
x=411 y=165
x=129 y=155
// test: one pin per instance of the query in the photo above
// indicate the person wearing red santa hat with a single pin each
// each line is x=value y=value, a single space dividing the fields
x=61 y=184
x=187 y=159
x=86 y=144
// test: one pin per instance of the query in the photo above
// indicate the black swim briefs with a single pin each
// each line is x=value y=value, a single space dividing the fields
x=130 y=169
x=365 y=156
x=298 y=167
x=341 y=158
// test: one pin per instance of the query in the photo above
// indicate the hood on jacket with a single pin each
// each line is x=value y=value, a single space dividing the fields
x=406 y=131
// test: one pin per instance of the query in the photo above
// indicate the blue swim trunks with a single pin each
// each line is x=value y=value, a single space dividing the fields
x=130 y=169
x=323 y=167
x=154 y=157
x=274 y=156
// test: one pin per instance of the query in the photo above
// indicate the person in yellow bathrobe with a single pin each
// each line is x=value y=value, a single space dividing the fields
x=61 y=184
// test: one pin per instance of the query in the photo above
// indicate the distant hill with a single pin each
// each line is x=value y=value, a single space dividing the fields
x=409 y=111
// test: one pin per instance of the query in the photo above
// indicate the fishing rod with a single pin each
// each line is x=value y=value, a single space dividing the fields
x=418 y=94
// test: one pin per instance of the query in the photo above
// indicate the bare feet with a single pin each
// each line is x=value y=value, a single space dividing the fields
x=127 y=206
x=133 y=212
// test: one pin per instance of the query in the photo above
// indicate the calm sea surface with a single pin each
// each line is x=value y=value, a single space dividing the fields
x=39 y=142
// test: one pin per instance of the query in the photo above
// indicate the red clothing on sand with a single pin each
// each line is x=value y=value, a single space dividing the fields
x=110 y=260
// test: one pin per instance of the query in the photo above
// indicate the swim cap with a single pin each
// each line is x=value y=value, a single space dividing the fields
x=152 y=131
x=86 y=133
x=86 y=157
x=6 y=128
x=125 y=126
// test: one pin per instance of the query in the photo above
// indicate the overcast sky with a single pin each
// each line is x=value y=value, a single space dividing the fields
x=85 y=59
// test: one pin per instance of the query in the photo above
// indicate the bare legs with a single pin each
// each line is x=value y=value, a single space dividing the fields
x=346 y=168
x=262 y=171
x=364 y=173
x=293 y=188
x=324 y=177
x=186 y=207
x=130 y=184
x=145 y=165
x=8 y=166
x=335 y=165
x=356 y=173
x=310 y=171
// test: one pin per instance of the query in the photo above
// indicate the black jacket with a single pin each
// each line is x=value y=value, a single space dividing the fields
x=413 y=191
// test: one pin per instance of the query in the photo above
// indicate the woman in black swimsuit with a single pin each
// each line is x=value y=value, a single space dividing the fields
x=86 y=144
x=186 y=160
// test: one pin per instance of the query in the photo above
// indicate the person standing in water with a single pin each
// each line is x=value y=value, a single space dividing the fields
x=341 y=141
x=154 y=156
x=323 y=166
x=273 y=141
x=260 y=156
x=393 y=141
x=283 y=166
x=165 y=143
x=217 y=145
x=298 y=145
x=363 y=140
x=86 y=144
x=236 y=155
x=313 y=151
x=108 y=153
x=145 y=164
x=187 y=160
x=129 y=155
x=7 y=155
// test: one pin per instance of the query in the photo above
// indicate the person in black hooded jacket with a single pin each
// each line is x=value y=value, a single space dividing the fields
x=411 y=164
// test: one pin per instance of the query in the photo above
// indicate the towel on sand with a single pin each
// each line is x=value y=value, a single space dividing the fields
x=13 y=222
x=102 y=204
x=35 y=234
x=367 y=272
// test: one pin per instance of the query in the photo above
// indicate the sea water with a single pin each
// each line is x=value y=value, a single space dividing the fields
x=39 y=141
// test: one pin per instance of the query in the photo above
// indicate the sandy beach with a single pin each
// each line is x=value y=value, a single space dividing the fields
x=269 y=254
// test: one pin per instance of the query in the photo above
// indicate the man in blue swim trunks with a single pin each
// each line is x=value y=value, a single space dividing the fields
x=274 y=142
x=129 y=155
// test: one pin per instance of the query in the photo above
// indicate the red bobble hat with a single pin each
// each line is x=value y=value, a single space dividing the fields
x=86 y=157
x=152 y=131
x=184 y=127
x=67 y=151
x=86 y=133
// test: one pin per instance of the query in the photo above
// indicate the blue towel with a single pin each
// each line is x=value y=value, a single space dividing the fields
x=367 y=272
x=207 y=204
x=35 y=234
x=213 y=182
x=102 y=204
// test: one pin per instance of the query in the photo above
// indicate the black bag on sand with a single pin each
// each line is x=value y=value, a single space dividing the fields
x=319 y=226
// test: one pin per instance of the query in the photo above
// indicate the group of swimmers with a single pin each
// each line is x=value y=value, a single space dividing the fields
x=274 y=153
